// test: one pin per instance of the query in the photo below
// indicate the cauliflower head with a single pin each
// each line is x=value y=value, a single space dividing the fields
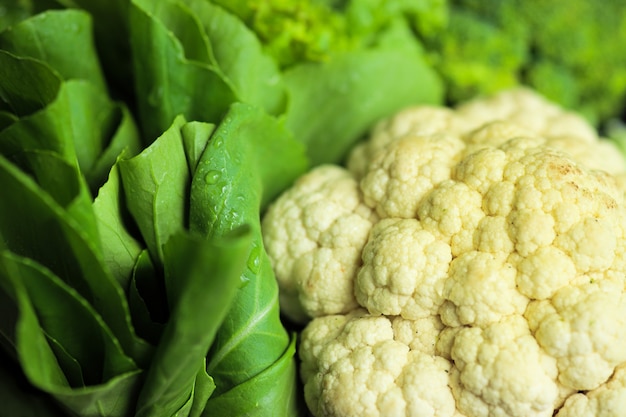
x=466 y=261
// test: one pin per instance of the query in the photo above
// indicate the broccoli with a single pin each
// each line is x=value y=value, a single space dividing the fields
x=570 y=51
x=295 y=31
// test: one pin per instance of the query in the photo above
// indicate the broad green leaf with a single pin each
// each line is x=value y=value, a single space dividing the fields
x=39 y=38
x=156 y=186
x=36 y=294
x=147 y=299
x=33 y=225
x=120 y=249
x=202 y=278
x=13 y=11
x=72 y=369
x=249 y=159
x=26 y=84
x=115 y=398
x=78 y=124
x=62 y=181
x=184 y=25
x=166 y=81
x=88 y=340
x=111 y=32
x=332 y=104
x=195 y=137
x=202 y=390
x=272 y=393
x=6 y=119
x=22 y=328
x=239 y=55
x=125 y=139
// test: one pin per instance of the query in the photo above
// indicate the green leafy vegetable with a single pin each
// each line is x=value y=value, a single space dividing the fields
x=39 y=37
x=235 y=179
x=202 y=278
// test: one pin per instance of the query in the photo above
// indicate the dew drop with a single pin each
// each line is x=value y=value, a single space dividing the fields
x=212 y=177
x=254 y=260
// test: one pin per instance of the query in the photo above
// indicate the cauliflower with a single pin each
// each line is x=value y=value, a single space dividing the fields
x=465 y=262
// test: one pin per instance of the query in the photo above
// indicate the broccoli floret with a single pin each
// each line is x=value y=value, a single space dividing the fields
x=293 y=31
x=571 y=51
x=474 y=56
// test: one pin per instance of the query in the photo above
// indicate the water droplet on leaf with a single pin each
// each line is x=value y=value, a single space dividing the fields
x=212 y=177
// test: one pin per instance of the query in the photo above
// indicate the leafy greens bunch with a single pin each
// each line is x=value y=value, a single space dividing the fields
x=139 y=143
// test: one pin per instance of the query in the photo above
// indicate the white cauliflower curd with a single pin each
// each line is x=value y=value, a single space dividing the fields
x=465 y=262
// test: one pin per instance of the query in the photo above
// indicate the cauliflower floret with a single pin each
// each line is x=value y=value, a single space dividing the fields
x=396 y=181
x=584 y=328
x=355 y=365
x=480 y=289
x=500 y=371
x=420 y=121
x=491 y=238
x=403 y=270
x=608 y=400
x=314 y=236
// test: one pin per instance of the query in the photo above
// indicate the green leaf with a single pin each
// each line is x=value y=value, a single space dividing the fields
x=147 y=300
x=125 y=140
x=202 y=390
x=156 y=186
x=120 y=249
x=6 y=119
x=33 y=225
x=239 y=54
x=77 y=124
x=69 y=364
x=202 y=278
x=271 y=393
x=167 y=81
x=26 y=284
x=332 y=104
x=39 y=38
x=250 y=158
x=195 y=137
x=88 y=340
x=113 y=46
x=26 y=85
x=12 y=12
